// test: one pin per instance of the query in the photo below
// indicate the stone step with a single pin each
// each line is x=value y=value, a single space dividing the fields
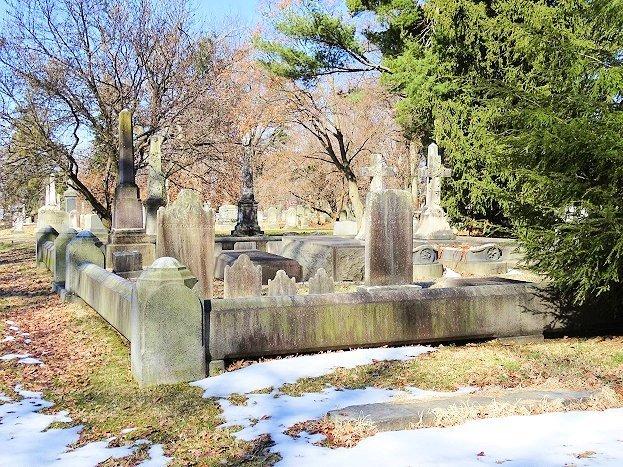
x=407 y=414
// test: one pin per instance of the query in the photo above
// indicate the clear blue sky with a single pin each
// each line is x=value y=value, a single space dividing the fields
x=215 y=12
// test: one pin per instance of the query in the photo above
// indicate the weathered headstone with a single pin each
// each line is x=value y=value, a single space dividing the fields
x=166 y=321
x=70 y=199
x=93 y=224
x=290 y=218
x=433 y=223
x=242 y=279
x=321 y=283
x=156 y=195
x=282 y=285
x=228 y=214
x=389 y=239
x=186 y=232
x=60 y=252
x=377 y=170
x=273 y=217
x=74 y=220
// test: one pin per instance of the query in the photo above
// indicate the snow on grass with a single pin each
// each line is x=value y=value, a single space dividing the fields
x=25 y=359
x=26 y=438
x=569 y=438
x=156 y=457
x=275 y=373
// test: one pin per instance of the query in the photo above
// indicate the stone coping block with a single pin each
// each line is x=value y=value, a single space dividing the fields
x=261 y=326
x=270 y=264
x=342 y=258
x=404 y=415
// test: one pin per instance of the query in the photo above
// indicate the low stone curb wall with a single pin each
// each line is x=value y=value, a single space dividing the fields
x=108 y=294
x=259 y=326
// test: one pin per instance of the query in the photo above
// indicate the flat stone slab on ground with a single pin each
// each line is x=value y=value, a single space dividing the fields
x=405 y=415
x=270 y=264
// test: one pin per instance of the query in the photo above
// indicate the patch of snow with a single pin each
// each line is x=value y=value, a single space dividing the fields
x=514 y=272
x=447 y=272
x=25 y=334
x=275 y=373
x=27 y=341
x=13 y=356
x=14 y=328
x=26 y=438
x=537 y=440
x=8 y=339
x=4 y=397
x=156 y=457
x=125 y=431
x=9 y=322
x=30 y=361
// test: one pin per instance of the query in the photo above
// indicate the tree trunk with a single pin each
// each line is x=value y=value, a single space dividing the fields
x=355 y=200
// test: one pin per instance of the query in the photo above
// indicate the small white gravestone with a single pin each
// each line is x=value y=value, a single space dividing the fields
x=321 y=283
x=433 y=223
x=282 y=285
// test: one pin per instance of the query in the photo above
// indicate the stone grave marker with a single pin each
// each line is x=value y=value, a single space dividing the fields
x=282 y=285
x=321 y=283
x=185 y=231
x=242 y=279
x=389 y=239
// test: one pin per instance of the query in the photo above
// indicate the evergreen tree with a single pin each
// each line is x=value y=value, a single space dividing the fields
x=525 y=96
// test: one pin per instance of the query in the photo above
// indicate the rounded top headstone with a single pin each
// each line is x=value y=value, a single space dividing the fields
x=86 y=235
x=68 y=231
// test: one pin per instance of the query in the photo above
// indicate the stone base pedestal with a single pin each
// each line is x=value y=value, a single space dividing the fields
x=422 y=272
x=126 y=240
x=247 y=225
x=433 y=225
x=50 y=216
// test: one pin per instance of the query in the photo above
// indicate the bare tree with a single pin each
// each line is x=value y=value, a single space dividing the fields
x=72 y=65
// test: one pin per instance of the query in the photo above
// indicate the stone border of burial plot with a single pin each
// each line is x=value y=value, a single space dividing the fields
x=396 y=315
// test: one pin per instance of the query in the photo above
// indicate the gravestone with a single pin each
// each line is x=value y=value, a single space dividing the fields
x=50 y=214
x=242 y=279
x=167 y=344
x=273 y=217
x=270 y=264
x=321 y=283
x=156 y=195
x=59 y=268
x=290 y=218
x=186 y=232
x=70 y=200
x=228 y=214
x=128 y=233
x=93 y=224
x=377 y=170
x=282 y=285
x=389 y=239
x=433 y=223
x=74 y=219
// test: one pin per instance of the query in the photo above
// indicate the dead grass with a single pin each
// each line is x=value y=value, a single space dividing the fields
x=87 y=372
x=338 y=433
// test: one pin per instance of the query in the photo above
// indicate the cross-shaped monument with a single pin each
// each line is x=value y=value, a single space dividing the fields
x=433 y=222
x=378 y=170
